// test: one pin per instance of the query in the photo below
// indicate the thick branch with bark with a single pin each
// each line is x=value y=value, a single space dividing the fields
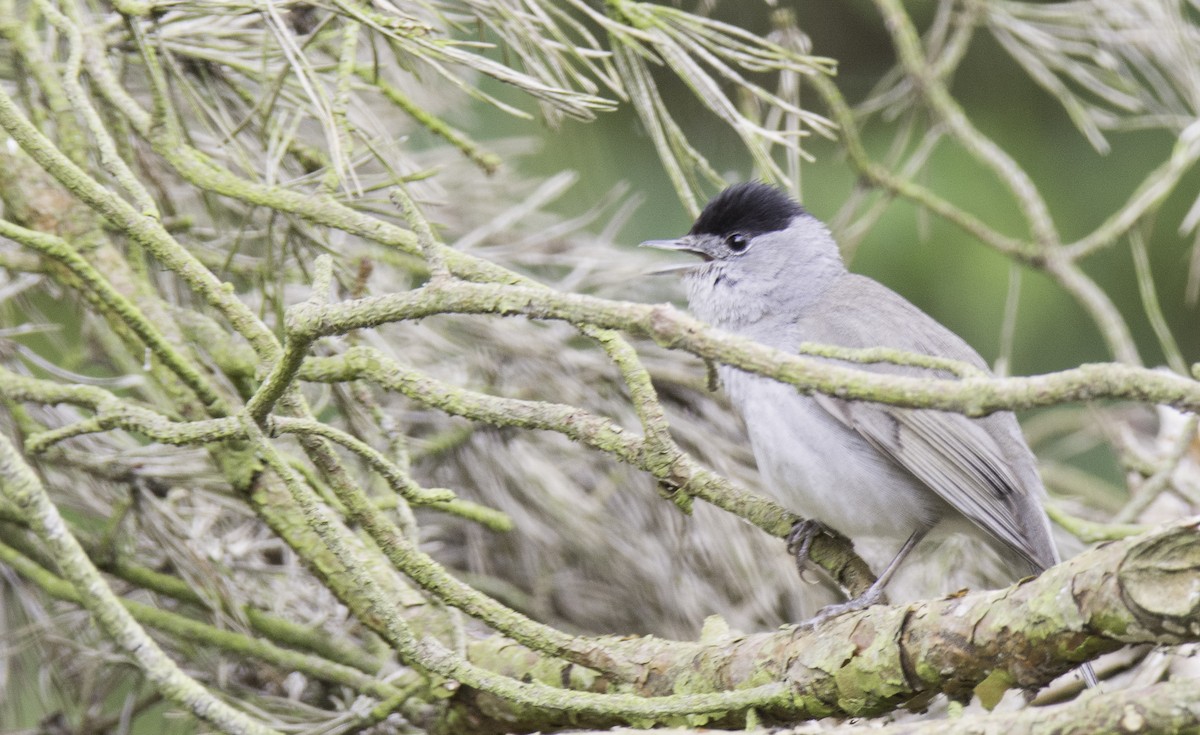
x=1138 y=590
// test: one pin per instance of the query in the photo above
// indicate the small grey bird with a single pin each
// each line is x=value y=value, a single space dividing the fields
x=886 y=477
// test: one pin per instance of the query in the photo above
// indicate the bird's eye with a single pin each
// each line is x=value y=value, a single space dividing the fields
x=737 y=242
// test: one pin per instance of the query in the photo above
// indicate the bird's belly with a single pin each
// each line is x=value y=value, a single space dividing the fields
x=815 y=465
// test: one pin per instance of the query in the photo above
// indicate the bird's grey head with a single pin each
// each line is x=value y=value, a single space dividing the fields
x=763 y=256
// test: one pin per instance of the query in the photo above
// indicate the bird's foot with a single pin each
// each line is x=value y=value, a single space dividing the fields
x=873 y=596
x=800 y=540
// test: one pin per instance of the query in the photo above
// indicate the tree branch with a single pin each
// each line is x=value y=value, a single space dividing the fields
x=673 y=329
x=1139 y=590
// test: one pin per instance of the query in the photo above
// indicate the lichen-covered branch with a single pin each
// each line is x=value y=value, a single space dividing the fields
x=673 y=329
x=1140 y=590
x=191 y=630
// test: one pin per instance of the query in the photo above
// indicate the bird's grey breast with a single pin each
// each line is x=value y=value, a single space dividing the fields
x=823 y=469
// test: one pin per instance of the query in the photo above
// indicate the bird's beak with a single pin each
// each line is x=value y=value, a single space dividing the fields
x=684 y=245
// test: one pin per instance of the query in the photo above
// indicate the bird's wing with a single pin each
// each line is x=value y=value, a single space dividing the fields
x=981 y=467
x=955 y=457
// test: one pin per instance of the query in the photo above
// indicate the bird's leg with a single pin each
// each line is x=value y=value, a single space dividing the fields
x=799 y=542
x=875 y=593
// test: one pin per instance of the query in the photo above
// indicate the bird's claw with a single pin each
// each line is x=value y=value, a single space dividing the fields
x=872 y=596
x=800 y=540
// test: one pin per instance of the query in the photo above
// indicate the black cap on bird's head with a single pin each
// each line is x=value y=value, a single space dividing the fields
x=731 y=220
x=752 y=208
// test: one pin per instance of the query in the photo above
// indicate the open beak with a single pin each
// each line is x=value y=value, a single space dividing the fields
x=683 y=245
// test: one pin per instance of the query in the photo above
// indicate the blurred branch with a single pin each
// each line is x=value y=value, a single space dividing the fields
x=203 y=634
x=1090 y=531
x=1157 y=185
x=1156 y=483
x=942 y=104
x=902 y=186
x=1045 y=249
x=691 y=46
x=60 y=251
x=24 y=490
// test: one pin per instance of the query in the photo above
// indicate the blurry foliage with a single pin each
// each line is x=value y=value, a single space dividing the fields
x=228 y=145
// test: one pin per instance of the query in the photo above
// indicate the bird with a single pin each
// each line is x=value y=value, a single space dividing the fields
x=889 y=478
